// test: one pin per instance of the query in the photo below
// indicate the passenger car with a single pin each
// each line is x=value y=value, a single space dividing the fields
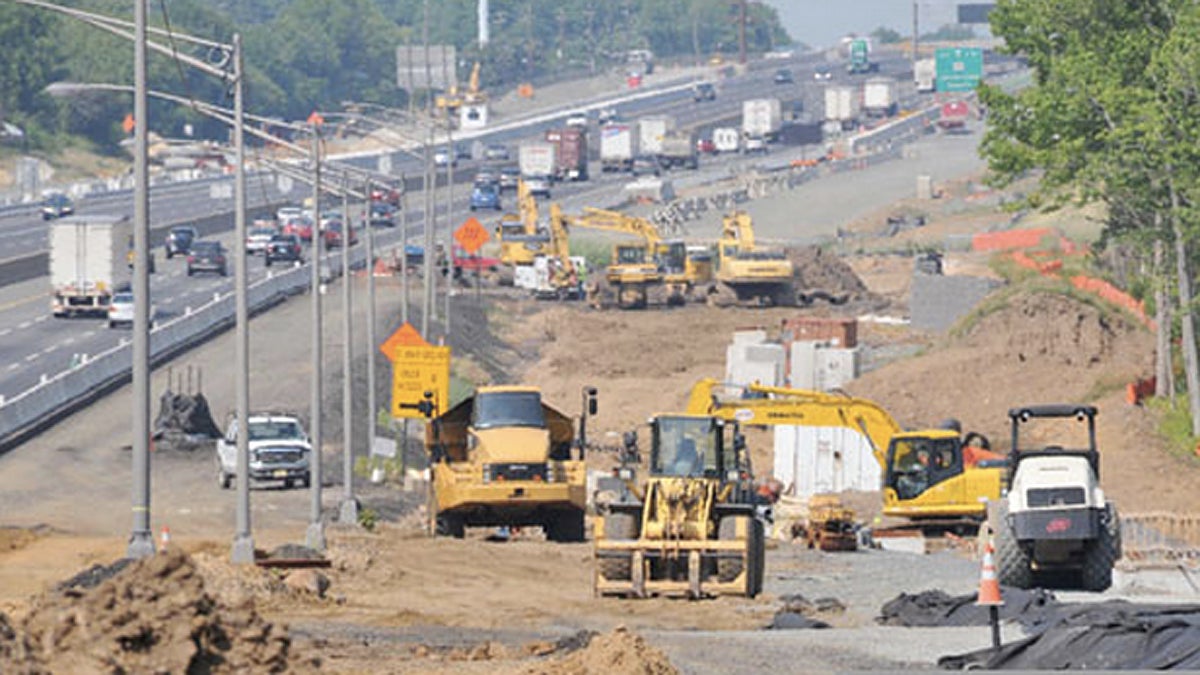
x=443 y=157
x=257 y=238
x=823 y=73
x=485 y=196
x=509 y=177
x=538 y=186
x=279 y=450
x=120 y=310
x=496 y=152
x=704 y=91
x=179 y=240
x=645 y=165
x=783 y=76
x=383 y=214
x=207 y=256
x=577 y=119
x=283 y=248
x=57 y=205
x=331 y=234
x=706 y=145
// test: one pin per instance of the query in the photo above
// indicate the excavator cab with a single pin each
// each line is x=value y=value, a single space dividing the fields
x=926 y=476
x=692 y=528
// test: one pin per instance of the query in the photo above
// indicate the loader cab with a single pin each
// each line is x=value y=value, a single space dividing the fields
x=694 y=446
x=930 y=474
x=672 y=257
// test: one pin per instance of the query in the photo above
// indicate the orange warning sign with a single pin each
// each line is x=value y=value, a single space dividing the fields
x=128 y=124
x=316 y=119
x=405 y=336
x=471 y=235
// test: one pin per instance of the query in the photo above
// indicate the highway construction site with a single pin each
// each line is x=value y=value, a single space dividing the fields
x=392 y=598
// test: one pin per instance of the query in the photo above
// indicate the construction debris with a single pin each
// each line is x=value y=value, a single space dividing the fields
x=938 y=608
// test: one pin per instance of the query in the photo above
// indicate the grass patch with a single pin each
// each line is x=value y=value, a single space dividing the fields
x=597 y=253
x=1175 y=426
x=1035 y=283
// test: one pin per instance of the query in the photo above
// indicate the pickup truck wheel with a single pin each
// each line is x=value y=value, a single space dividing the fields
x=287 y=483
x=306 y=481
x=224 y=480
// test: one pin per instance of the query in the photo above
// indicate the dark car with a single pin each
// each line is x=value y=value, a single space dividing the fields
x=57 y=205
x=283 y=248
x=207 y=256
x=179 y=240
x=462 y=151
x=496 y=152
x=509 y=177
x=331 y=234
x=383 y=215
x=704 y=91
x=783 y=76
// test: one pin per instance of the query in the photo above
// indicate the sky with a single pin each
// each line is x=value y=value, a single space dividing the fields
x=821 y=23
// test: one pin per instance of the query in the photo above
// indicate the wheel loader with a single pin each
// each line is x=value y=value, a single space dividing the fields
x=1055 y=519
x=692 y=528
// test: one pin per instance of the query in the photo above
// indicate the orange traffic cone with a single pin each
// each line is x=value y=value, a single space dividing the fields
x=164 y=538
x=989 y=585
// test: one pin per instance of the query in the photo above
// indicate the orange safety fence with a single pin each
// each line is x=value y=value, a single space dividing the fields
x=1114 y=295
x=1139 y=390
x=1009 y=239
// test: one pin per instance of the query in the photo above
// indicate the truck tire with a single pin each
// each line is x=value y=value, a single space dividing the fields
x=729 y=569
x=224 y=480
x=1011 y=560
x=451 y=525
x=758 y=558
x=1102 y=554
x=618 y=527
x=565 y=527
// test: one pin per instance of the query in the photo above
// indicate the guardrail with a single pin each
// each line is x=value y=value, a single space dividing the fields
x=56 y=396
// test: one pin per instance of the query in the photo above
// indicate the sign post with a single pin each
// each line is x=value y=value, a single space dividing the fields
x=471 y=235
x=417 y=367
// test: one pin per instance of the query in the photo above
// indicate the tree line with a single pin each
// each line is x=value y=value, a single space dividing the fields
x=304 y=55
x=1113 y=116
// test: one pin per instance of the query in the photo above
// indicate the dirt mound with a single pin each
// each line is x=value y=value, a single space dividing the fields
x=152 y=616
x=817 y=270
x=619 y=651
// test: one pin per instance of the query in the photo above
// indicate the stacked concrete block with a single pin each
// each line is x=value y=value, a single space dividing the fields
x=939 y=301
x=751 y=359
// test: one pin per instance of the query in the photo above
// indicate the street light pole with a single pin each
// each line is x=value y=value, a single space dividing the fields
x=315 y=536
x=141 y=539
x=348 y=511
x=370 y=317
x=427 y=258
x=243 y=543
x=449 y=220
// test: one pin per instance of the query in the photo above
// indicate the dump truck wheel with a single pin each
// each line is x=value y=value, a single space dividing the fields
x=758 y=557
x=565 y=526
x=1011 y=560
x=1102 y=554
x=450 y=525
x=618 y=527
x=729 y=569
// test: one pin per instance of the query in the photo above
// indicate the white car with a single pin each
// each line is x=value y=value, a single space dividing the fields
x=577 y=119
x=279 y=451
x=257 y=240
x=538 y=186
x=120 y=310
x=286 y=213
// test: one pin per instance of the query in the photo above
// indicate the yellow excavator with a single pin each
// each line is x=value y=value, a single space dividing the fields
x=453 y=99
x=521 y=241
x=747 y=272
x=938 y=479
x=648 y=263
x=692 y=528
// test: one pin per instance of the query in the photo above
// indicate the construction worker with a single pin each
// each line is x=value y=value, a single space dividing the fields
x=687 y=460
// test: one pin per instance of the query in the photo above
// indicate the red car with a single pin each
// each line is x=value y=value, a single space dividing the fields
x=386 y=195
x=706 y=145
x=299 y=226
x=332 y=234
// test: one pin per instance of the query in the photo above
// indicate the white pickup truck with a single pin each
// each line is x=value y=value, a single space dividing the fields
x=279 y=451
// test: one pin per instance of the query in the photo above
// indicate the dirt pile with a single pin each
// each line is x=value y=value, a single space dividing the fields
x=825 y=276
x=619 y=651
x=152 y=616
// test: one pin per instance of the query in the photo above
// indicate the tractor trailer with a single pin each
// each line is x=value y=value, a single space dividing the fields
x=89 y=262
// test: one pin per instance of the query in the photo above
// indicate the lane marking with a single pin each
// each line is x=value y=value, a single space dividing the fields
x=24 y=325
x=31 y=357
x=22 y=301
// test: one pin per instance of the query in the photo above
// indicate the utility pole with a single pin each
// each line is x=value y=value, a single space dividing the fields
x=141 y=539
x=348 y=511
x=916 y=36
x=371 y=344
x=449 y=280
x=742 y=32
x=316 y=526
x=243 y=543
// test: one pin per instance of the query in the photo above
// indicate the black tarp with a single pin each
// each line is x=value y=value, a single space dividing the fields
x=938 y=608
x=1112 y=635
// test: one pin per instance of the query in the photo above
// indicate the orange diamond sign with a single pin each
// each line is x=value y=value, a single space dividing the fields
x=316 y=119
x=128 y=124
x=471 y=235
x=405 y=336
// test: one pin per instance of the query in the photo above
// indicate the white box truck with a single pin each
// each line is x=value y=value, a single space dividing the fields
x=537 y=159
x=726 y=139
x=652 y=129
x=879 y=97
x=762 y=118
x=618 y=147
x=88 y=263
x=925 y=75
x=841 y=105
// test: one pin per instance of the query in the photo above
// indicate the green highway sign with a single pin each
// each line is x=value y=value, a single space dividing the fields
x=958 y=68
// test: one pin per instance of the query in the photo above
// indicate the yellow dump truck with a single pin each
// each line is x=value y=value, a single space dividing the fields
x=503 y=457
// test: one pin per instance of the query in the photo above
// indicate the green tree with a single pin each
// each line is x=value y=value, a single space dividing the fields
x=886 y=36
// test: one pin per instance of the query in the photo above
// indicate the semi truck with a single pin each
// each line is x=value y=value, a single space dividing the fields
x=571 y=152
x=725 y=139
x=879 y=97
x=89 y=262
x=925 y=75
x=761 y=118
x=859 y=54
x=841 y=106
x=618 y=147
x=953 y=116
x=537 y=159
x=651 y=131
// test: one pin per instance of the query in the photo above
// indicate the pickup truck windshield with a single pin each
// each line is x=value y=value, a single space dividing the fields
x=509 y=409
x=275 y=429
